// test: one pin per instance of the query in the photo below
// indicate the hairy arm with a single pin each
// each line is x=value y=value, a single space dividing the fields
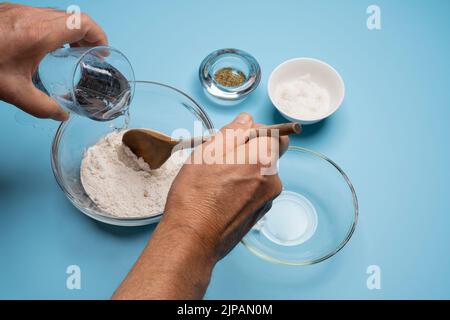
x=173 y=266
x=210 y=207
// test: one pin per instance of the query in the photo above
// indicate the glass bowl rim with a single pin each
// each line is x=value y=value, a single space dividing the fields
x=131 y=221
x=342 y=244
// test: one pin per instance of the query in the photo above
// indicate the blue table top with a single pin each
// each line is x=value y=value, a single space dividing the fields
x=390 y=136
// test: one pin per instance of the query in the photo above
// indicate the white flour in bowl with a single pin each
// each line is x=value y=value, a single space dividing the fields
x=123 y=185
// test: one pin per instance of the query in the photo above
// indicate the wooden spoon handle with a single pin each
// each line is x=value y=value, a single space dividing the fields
x=284 y=129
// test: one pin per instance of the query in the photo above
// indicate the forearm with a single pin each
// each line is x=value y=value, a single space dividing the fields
x=172 y=266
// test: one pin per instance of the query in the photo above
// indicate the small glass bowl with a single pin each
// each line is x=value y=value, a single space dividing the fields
x=229 y=58
x=155 y=105
x=313 y=218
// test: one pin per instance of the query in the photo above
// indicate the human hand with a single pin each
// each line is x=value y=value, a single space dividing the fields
x=219 y=203
x=27 y=34
x=210 y=207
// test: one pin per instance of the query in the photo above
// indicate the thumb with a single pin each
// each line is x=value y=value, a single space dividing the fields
x=35 y=102
x=237 y=131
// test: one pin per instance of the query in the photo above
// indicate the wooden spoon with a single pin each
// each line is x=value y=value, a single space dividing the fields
x=155 y=147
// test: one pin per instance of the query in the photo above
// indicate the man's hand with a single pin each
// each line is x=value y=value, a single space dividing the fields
x=209 y=209
x=219 y=203
x=27 y=34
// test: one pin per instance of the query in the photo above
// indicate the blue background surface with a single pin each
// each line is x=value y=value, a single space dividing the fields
x=391 y=137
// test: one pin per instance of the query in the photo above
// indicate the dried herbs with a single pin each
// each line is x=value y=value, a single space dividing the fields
x=229 y=77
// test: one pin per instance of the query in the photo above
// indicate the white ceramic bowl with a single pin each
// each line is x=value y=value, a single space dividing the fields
x=319 y=72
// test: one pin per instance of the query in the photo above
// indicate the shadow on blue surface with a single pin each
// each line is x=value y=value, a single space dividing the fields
x=253 y=274
x=115 y=231
x=119 y=231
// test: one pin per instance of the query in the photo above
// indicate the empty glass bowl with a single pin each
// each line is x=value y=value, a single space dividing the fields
x=234 y=59
x=313 y=218
x=155 y=105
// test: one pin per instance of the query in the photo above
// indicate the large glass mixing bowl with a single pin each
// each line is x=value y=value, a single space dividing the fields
x=314 y=216
x=155 y=105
